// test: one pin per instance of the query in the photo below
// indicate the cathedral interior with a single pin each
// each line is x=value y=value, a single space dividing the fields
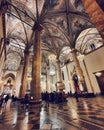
x=46 y=47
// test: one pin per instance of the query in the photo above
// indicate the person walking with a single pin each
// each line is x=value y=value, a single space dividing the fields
x=76 y=96
x=47 y=99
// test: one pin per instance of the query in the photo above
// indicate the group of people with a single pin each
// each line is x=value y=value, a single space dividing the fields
x=54 y=97
x=57 y=97
x=5 y=97
x=24 y=101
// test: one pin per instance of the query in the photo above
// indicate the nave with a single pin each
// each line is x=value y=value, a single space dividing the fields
x=87 y=114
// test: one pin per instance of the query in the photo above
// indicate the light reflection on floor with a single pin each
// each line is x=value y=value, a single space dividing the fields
x=87 y=114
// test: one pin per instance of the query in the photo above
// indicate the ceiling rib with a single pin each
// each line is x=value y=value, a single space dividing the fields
x=19 y=10
x=20 y=19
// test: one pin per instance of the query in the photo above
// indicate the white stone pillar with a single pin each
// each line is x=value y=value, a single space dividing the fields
x=60 y=86
x=81 y=80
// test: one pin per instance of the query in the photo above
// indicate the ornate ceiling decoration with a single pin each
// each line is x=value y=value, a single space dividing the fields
x=88 y=40
x=12 y=62
x=62 y=22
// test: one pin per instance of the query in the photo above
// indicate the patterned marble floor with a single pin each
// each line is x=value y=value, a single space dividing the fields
x=87 y=114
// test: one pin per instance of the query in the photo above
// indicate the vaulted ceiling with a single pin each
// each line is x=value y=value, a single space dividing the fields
x=65 y=24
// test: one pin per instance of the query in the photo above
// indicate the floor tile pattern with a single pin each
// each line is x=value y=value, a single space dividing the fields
x=87 y=114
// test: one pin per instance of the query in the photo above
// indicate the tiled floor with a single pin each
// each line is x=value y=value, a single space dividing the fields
x=87 y=114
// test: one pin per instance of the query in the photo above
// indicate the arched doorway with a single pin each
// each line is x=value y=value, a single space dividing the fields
x=8 y=84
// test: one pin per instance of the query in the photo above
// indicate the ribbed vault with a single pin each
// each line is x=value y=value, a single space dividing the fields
x=65 y=24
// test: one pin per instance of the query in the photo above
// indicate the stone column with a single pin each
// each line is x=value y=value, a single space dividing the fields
x=2 y=79
x=3 y=6
x=35 y=91
x=24 y=73
x=18 y=79
x=46 y=83
x=92 y=88
x=70 y=81
x=96 y=14
x=60 y=86
x=78 y=69
x=1 y=36
x=2 y=62
x=47 y=80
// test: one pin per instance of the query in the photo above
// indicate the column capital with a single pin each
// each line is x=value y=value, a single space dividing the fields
x=74 y=50
x=37 y=26
x=26 y=51
x=3 y=6
x=57 y=60
x=22 y=62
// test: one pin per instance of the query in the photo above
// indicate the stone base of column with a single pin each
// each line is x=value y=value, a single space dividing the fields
x=32 y=102
x=82 y=86
x=60 y=86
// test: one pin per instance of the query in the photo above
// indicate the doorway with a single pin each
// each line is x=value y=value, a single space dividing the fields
x=100 y=80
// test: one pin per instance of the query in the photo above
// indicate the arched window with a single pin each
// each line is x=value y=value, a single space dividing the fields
x=92 y=46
